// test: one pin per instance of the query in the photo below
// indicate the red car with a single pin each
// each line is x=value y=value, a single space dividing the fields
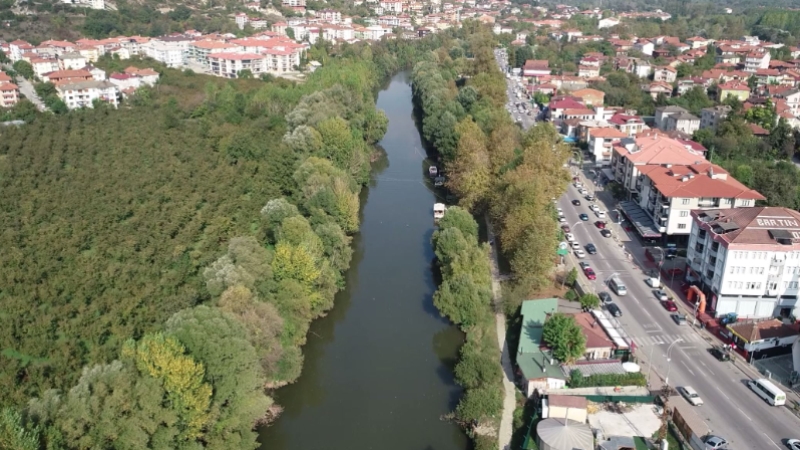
x=589 y=272
x=670 y=306
x=565 y=228
x=600 y=224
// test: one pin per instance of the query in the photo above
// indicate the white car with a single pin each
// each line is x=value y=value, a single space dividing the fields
x=793 y=444
x=690 y=395
x=562 y=219
x=600 y=214
x=559 y=210
x=570 y=237
x=580 y=253
x=575 y=245
x=594 y=207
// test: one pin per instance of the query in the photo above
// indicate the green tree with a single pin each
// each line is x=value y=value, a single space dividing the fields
x=232 y=367
x=14 y=433
x=462 y=300
x=24 y=69
x=470 y=170
x=565 y=337
x=589 y=301
x=572 y=277
x=460 y=218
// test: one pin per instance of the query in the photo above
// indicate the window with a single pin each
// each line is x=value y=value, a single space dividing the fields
x=745 y=203
x=685 y=201
x=681 y=226
x=684 y=213
x=772 y=286
x=726 y=201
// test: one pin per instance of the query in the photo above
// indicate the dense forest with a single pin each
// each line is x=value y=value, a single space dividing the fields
x=163 y=261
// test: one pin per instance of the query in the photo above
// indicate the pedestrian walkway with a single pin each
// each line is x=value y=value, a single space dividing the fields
x=666 y=338
x=509 y=397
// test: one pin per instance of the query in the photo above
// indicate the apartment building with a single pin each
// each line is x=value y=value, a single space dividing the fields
x=669 y=192
x=628 y=123
x=82 y=94
x=9 y=92
x=230 y=65
x=200 y=50
x=746 y=260
x=72 y=61
x=711 y=117
x=173 y=51
x=41 y=66
x=601 y=143
x=756 y=60
x=684 y=122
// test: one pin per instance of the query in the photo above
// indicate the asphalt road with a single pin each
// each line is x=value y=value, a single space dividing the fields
x=731 y=410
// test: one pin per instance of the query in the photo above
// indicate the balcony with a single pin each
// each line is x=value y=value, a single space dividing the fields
x=699 y=248
x=701 y=234
x=697 y=261
x=712 y=260
x=707 y=202
x=709 y=274
x=714 y=247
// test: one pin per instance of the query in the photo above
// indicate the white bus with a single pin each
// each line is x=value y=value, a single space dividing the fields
x=768 y=391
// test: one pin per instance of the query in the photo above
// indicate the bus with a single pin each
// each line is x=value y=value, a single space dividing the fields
x=768 y=391
x=617 y=285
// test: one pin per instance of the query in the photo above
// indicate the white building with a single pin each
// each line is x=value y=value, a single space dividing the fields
x=83 y=93
x=756 y=60
x=172 y=54
x=601 y=142
x=712 y=116
x=747 y=260
x=608 y=22
x=230 y=65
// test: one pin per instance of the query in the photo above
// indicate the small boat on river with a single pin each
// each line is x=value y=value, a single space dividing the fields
x=433 y=171
x=438 y=211
x=438 y=181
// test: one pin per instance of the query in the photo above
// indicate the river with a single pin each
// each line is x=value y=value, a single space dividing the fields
x=378 y=370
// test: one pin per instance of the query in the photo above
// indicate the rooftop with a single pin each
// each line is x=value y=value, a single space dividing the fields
x=758 y=225
x=595 y=336
x=657 y=148
x=767 y=329
x=701 y=179
x=534 y=313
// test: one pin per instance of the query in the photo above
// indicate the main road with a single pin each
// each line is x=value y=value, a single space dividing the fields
x=730 y=409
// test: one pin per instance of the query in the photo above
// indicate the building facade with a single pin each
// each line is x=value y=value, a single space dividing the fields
x=747 y=260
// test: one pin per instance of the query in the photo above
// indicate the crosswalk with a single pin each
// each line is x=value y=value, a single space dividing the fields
x=665 y=339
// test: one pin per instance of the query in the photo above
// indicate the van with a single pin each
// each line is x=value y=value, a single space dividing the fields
x=768 y=391
x=617 y=286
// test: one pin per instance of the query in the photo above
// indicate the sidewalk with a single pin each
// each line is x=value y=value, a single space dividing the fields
x=509 y=397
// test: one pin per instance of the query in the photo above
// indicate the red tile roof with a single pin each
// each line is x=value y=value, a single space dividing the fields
x=697 y=180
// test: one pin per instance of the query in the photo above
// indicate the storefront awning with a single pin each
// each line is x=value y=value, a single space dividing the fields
x=609 y=174
x=640 y=219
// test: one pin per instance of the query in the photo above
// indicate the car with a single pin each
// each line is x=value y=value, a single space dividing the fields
x=589 y=197
x=679 y=319
x=563 y=219
x=584 y=217
x=591 y=249
x=584 y=265
x=606 y=233
x=605 y=297
x=582 y=191
x=578 y=184
x=660 y=295
x=594 y=207
x=613 y=309
x=722 y=354
x=569 y=237
x=690 y=395
x=575 y=245
x=793 y=444
x=600 y=224
x=600 y=214
x=580 y=253
x=576 y=202
x=670 y=306
x=565 y=228
x=714 y=442
x=589 y=272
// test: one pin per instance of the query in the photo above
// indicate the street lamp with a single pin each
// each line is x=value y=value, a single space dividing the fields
x=669 y=359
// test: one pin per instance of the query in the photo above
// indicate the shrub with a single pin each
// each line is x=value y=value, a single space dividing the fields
x=576 y=380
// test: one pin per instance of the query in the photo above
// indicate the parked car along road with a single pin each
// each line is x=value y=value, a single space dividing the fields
x=690 y=395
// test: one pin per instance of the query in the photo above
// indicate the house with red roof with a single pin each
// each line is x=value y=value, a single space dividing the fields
x=536 y=68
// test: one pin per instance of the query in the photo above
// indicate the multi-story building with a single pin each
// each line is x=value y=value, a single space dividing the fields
x=747 y=260
x=230 y=65
x=42 y=66
x=684 y=122
x=72 y=61
x=712 y=116
x=82 y=94
x=9 y=92
x=173 y=53
x=601 y=142
x=629 y=124
x=663 y=112
x=669 y=192
x=736 y=89
x=755 y=60
x=200 y=50
x=666 y=74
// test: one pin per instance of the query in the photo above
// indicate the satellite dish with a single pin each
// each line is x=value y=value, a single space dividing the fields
x=631 y=367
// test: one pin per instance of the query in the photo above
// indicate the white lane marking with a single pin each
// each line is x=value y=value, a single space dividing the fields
x=687 y=368
x=748 y=417
x=722 y=392
x=771 y=441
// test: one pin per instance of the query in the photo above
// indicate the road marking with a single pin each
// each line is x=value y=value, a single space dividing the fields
x=748 y=417
x=771 y=441
x=722 y=392
x=687 y=368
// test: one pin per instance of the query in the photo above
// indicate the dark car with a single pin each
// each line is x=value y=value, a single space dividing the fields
x=614 y=309
x=591 y=249
x=679 y=319
x=600 y=224
x=576 y=202
x=584 y=217
x=670 y=306
x=605 y=297
x=606 y=233
x=720 y=353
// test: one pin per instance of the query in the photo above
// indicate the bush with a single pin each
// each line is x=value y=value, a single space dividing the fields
x=576 y=380
x=571 y=295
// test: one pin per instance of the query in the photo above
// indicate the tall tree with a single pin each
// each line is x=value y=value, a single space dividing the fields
x=565 y=337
